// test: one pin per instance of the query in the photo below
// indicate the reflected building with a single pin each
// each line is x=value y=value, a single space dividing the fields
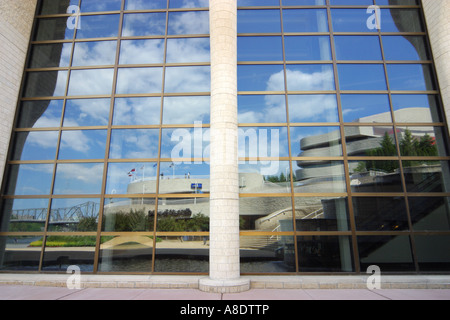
x=337 y=134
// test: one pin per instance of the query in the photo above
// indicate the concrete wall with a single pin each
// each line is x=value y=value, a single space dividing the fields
x=16 y=20
x=437 y=13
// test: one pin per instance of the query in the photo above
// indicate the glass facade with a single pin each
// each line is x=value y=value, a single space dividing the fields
x=343 y=144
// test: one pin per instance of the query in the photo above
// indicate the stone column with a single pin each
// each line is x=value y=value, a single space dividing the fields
x=224 y=193
x=437 y=13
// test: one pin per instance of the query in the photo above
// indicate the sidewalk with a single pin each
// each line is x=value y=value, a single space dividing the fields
x=59 y=293
x=154 y=287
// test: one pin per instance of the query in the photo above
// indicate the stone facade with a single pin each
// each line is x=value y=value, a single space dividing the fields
x=437 y=13
x=16 y=20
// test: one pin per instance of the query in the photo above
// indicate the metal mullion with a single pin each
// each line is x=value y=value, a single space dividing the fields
x=158 y=168
x=351 y=216
x=108 y=142
x=397 y=145
x=55 y=165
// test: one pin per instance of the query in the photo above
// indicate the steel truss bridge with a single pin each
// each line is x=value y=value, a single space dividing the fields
x=57 y=216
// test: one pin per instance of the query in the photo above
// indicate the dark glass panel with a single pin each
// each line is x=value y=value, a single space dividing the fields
x=433 y=252
x=426 y=176
x=389 y=253
x=52 y=29
x=268 y=214
x=50 y=55
x=380 y=214
x=430 y=213
x=40 y=114
x=324 y=254
x=321 y=214
x=375 y=176
x=45 y=84
x=267 y=254
x=20 y=253
x=64 y=251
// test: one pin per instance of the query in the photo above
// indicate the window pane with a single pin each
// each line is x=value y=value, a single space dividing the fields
x=131 y=178
x=375 y=176
x=324 y=254
x=305 y=20
x=357 y=48
x=29 y=179
x=134 y=144
x=390 y=253
x=430 y=213
x=185 y=254
x=321 y=214
x=416 y=108
x=316 y=142
x=137 y=111
x=260 y=78
x=193 y=22
x=40 y=114
x=37 y=145
x=193 y=109
x=258 y=21
x=23 y=215
x=50 y=55
x=144 y=24
x=264 y=176
x=141 y=51
x=45 y=84
x=128 y=215
x=366 y=108
x=64 y=251
x=188 y=79
x=139 y=80
x=260 y=49
x=94 y=53
x=370 y=141
x=19 y=259
x=78 y=178
x=104 y=5
x=74 y=215
x=362 y=77
x=267 y=254
x=426 y=176
x=99 y=26
x=185 y=143
x=188 y=50
x=318 y=176
x=433 y=252
x=313 y=108
x=82 y=144
x=52 y=29
x=410 y=77
x=263 y=142
x=90 y=82
x=87 y=112
x=266 y=214
x=307 y=48
x=309 y=77
x=262 y=109
x=380 y=214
